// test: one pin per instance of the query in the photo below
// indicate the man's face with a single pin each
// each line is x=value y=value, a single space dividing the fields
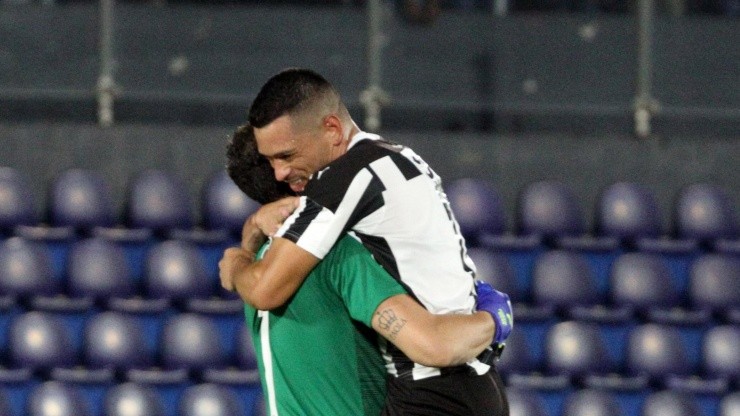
x=295 y=153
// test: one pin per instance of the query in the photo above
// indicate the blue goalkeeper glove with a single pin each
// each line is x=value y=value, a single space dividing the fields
x=499 y=306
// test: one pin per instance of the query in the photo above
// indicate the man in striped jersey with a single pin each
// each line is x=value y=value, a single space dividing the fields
x=313 y=357
x=393 y=202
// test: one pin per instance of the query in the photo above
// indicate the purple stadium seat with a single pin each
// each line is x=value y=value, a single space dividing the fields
x=54 y=398
x=478 y=208
x=159 y=201
x=628 y=210
x=17 y=203
x=592 y=402
x=210 y=400
x=116 y=341
x=550 y=209
x=705 y=212
x=81 y=198
x=670 y=403
x=224 y=205
x=714 y=285
x=131 y=399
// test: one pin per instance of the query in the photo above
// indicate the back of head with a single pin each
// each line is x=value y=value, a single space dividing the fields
x=250 y=171
x=290 y=92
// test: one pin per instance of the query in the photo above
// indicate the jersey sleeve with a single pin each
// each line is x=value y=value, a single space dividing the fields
x=360 y=281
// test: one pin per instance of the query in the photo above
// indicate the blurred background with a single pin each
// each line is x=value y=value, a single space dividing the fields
x=590 y=149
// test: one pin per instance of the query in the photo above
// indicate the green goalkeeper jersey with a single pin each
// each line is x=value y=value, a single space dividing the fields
x=317 y=354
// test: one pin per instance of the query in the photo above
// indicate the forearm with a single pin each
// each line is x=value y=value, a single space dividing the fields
x=433 y=340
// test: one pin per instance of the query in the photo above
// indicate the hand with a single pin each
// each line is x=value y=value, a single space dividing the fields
x=233 y=257
x=270 y=217
x=499 y=306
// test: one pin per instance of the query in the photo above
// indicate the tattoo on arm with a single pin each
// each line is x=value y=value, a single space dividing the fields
x=389 y=322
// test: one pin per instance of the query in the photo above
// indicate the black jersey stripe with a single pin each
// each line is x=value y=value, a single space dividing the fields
x=303 y=220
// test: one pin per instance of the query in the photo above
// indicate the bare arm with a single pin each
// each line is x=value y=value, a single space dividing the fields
x=432 y=340
x=268 y=283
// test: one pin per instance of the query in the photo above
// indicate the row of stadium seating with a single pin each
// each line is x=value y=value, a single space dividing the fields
x=159 y=203
x=149 y=277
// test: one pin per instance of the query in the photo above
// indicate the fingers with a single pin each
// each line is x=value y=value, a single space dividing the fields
x=270 y=217
x=227 y=265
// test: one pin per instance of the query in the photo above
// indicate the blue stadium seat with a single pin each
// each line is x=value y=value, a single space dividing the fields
x=495 y=268
x=191 y=341
x=81 y=198
x=260 y=406
x=240 y=369
x=577 y=349
x=210 y=400
x=159 y=201
x=41 y=342
x=478 y=208
x=98 y=268
x=628 y=210
x=116 y=341
x=54 y=398
x=665 y=403
x=729 y=405
x=516 y=357
x=705 y=212
x=550 y=209
x=224 y=205
x=17 y=202
x=131 y=399
x=714 y=285
x=592 y=402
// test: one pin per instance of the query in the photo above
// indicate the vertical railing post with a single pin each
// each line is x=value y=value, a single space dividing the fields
x=106 y=81
x=645 y=105
x=373 y=97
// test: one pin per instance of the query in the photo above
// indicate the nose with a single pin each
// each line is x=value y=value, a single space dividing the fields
x=281 y=169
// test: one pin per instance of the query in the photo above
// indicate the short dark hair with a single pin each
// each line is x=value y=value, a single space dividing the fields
x=285 y=92
x=251 y=171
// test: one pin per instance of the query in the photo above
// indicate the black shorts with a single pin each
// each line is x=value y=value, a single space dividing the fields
x=457 y=394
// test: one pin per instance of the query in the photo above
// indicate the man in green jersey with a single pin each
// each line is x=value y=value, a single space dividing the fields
x=316 y=354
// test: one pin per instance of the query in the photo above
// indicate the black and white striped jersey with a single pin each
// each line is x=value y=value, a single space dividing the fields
x=390 y=199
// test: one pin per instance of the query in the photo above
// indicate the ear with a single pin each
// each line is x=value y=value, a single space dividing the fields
x=333 y=128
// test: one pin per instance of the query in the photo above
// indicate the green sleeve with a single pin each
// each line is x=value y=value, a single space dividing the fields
x=360 y=281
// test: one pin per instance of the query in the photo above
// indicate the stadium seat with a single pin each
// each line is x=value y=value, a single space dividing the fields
x=131 y=399
x=627 y=210
x=191 y=341
x=657 y=352
x=81 y=198
x=525 y=403
x=224 y=205
x=729 y=405
x=210 y=400
x=259 y=408
x=578 y=350
x=495 y=268
x=592 y=402
x=714 y=285
x=564 y=280
x=174 y=270
x=670 y=403
x=97 y=268
x=720 y=357
x=40 y=341
x=17 y=202
x=705 y=212
x=643 y=283
x=550 y=209
x=240 y=365
x=159 y=201
x=516 y=357
x=54 y=398
x=26 y=270
x=116 y=341
x=478 y=208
